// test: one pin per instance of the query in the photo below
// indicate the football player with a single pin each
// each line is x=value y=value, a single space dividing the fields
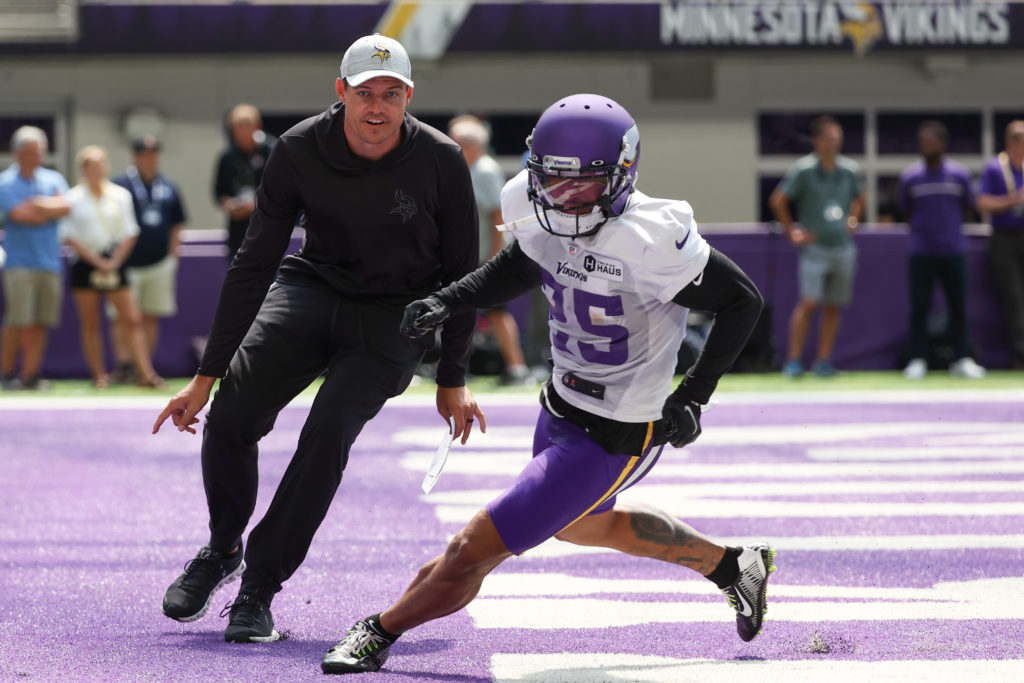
x=620 y=271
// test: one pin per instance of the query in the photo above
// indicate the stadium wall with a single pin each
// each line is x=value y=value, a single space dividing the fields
x=700 y=142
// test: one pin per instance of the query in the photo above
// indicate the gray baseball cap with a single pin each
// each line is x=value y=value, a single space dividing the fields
x=374 y=56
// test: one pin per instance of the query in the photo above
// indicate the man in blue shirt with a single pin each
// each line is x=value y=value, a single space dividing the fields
x=31 y=202
x=934 y=194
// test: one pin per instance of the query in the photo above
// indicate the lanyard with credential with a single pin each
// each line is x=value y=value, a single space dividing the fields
x=150 y=215
x=1004 y=163
x=1011 y=184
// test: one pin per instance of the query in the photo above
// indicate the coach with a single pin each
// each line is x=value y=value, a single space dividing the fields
x=389 y=214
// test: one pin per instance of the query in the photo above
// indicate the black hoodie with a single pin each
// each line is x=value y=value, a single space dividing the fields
x=387 y=231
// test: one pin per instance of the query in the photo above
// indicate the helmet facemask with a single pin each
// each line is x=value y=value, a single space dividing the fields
x=573 y=196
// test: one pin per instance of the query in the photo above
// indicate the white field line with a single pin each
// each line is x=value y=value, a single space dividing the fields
x=763 y=489
x=534 y=584
x=908 y=543
x=476 y=462
x=521 y=437
x=730 y=509
x=602 y=667
x=989 y=599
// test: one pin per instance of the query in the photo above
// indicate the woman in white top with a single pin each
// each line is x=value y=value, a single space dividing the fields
x=102 y=231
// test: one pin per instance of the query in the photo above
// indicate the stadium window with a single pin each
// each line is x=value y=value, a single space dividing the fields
x=508 y=131
x=897 y=131
x=887 y=191
x=1001 y=119
x=278 y=124
x=789 y=133
x=12 y=122
x=766 y=185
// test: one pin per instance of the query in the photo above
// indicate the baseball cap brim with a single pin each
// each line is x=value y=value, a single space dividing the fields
x=363 y=76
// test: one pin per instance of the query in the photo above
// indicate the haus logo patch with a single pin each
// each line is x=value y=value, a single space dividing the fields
x=608 y=269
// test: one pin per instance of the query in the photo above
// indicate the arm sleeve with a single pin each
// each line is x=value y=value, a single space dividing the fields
x=459 y=255
x=791 y=184
x=7 y=200
x=129 y=226
x=508 y=275
x=245 y=286
x=992 y=182
x=67 y=227
x=903 y=198
x=725 y=291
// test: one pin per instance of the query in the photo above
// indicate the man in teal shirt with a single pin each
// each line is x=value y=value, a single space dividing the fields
x=31 y=202
x=828 y=192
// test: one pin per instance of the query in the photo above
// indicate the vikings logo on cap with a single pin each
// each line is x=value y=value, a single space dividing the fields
x=381 y=53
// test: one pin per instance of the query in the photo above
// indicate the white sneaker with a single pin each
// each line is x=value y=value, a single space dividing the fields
x=966 y=367
x=915 y=369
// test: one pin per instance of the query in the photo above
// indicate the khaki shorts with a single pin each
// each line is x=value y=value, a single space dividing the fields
x=32 y=297
x=826 y=273
x=155 y=287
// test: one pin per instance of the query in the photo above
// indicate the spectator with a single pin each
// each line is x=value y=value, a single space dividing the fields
x=32 y=199
x=934 y=195
x=240 y=171
x=488 y=179
x=828 y=192
x=152 y=266
x=101 y=230
x=1002 y=195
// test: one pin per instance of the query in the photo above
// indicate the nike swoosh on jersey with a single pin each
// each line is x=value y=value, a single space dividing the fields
x=680 y=245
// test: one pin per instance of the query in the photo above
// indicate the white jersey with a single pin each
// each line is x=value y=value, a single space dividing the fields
x=612 y=320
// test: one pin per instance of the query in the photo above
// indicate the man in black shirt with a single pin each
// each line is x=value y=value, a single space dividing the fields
x=240 y=170
x=389 y=213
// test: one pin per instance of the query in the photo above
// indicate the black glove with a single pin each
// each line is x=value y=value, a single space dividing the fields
x=681 y=421
x=423 y=315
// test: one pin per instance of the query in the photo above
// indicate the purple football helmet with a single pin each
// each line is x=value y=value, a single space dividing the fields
x=584 y=154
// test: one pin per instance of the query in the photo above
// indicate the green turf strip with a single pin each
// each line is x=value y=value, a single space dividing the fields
x=845 y=381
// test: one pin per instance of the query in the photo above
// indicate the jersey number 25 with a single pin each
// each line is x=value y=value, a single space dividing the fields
x=616 y=351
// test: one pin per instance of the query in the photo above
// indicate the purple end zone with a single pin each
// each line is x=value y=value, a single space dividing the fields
x=99 y=517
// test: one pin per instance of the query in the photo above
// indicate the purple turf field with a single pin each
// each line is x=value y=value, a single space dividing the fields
x=899 y=525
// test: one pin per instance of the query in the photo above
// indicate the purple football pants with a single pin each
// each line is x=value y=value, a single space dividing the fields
x=569 y=477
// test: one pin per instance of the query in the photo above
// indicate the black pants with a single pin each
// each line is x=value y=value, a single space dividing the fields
x=1006 y=249
x=951 y=272
x=298 y=334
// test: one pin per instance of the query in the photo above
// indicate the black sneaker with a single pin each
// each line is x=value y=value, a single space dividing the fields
x=37 y=383
x=251 y=620
x=124 y=374
x=748 y=595
x=189 y=597
x=364 y=649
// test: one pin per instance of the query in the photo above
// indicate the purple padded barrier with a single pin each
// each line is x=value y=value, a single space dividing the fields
x=872 y=336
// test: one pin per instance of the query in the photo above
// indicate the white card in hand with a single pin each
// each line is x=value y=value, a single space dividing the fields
x=440 y=456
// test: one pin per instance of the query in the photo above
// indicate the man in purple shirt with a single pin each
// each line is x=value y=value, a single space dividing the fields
x=934 y=194
x=1002 y=197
